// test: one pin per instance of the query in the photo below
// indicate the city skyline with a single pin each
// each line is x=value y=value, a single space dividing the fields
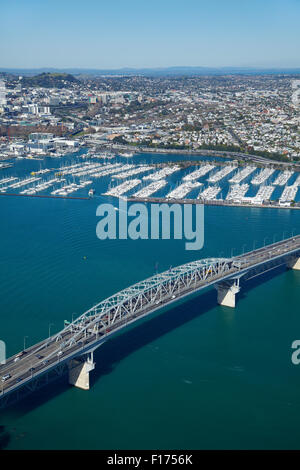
x=117 y=35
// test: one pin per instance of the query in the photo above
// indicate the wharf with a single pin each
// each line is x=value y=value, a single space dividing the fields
x=160 y=200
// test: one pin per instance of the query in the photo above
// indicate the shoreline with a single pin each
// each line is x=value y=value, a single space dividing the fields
x=202 y=152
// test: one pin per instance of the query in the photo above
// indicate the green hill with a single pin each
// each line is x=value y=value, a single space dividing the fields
x=50 y=80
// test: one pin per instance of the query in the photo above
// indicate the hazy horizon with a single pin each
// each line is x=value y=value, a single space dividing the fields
x=153 y=71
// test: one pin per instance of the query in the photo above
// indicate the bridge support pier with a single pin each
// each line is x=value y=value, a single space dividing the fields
x=227 y=292
x=79 y=372
x=294 y=263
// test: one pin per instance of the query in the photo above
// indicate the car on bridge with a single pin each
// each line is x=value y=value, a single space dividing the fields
x=5 y=377
x=19 y=356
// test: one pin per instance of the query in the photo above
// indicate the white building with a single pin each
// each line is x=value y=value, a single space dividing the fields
x=2 y=93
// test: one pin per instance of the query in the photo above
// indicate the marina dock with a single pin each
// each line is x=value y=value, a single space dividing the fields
x=206 y=202
x=48 y=196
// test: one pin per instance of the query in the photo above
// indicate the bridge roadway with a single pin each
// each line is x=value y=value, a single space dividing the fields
x=96 y=325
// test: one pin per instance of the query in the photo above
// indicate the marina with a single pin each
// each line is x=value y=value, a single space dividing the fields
x=133 y=171
x=283 y=178
x=71 y=188
x=160 y=174
x=183 y=189
x=3 y=166
x=42 y=186
x=264 y=194
x=127 y=154
x=237 y=192
x=46 y=196
x=122 y=188
x=152 y=188
x=297 y=182
x=24 y=182
x=109 y=169
x=210 y=193
x=263 y=176
x=225 y=171
x=77 y=174
x=242 y=175
x=199 y=173
x=288 y=195
x=7 y=180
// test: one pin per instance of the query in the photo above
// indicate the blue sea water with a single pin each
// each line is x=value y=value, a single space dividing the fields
x=194 y=375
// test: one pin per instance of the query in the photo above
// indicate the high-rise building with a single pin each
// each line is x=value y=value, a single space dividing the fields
x=2 y=93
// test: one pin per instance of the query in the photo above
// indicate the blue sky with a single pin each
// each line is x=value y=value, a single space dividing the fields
x=149 y=33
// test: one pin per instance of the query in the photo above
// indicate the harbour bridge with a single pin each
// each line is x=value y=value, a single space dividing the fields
x=71 y=349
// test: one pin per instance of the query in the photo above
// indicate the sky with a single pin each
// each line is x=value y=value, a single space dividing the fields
x=113 y=34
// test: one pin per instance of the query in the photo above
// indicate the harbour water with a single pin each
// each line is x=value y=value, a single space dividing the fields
x=196 y=375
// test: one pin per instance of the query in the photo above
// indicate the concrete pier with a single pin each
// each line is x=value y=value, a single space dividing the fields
x=294 y=263
x=227 y=293
x=79 y=372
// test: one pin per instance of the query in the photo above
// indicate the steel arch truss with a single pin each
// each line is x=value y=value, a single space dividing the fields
x=141 y=297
